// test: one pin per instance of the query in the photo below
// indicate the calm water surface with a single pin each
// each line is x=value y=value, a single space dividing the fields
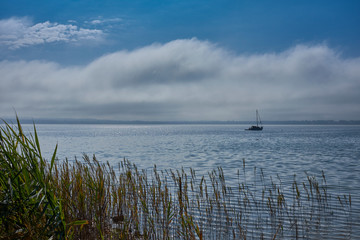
x=284 y=150
x=277 y=150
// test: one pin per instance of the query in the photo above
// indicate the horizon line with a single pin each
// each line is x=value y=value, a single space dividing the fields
x=107 y=121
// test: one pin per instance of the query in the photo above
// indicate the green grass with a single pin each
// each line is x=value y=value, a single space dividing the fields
x=30 y=208
x=88 y=199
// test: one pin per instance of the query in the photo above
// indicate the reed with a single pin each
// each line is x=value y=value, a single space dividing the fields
x=28 y=204
x=89 y=199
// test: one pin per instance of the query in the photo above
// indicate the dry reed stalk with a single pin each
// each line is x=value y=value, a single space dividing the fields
x=86 y=199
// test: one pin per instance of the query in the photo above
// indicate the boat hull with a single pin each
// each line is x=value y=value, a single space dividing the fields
x=255 y=128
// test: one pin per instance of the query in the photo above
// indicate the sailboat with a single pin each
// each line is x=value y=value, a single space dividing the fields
x=257 y=127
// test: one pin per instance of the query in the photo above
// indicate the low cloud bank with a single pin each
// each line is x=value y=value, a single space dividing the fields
x=187 y=80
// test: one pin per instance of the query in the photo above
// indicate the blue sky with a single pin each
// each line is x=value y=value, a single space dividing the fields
x=180 y=60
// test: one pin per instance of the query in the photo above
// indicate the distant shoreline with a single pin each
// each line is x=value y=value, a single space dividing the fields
x=138 y=122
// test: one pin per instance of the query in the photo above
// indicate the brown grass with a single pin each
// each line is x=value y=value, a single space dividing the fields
x=88 y=199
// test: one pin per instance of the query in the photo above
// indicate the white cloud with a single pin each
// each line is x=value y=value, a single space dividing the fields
x=96 y=22
x=188 y=80
x=21 y=32
x=106 y=21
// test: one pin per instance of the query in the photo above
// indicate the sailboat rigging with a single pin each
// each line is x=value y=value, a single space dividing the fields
x=258 y=121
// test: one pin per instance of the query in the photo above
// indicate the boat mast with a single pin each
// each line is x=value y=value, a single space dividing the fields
x=258 y=118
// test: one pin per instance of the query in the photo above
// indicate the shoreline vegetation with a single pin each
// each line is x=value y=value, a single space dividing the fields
x=89 y=199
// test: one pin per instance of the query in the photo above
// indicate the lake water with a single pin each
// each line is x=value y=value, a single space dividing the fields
x=284 y=150
x=277 y=150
